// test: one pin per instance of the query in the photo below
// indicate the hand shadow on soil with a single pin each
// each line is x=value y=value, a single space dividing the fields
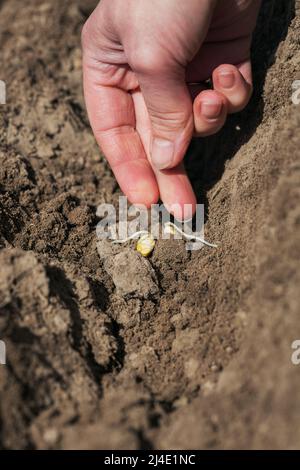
x=206 y=158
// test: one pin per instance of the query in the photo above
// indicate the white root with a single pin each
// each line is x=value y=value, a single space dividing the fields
x=132 y=237
x=186 y=236
x=169 y=227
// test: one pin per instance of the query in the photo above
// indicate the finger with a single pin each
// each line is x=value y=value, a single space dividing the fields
x=170 y=110
x=176 y=192
x=112 y=117
x=174 y=186
x=235 y=83
x=210 y=112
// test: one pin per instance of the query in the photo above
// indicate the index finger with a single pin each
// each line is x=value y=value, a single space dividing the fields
x=111 y=112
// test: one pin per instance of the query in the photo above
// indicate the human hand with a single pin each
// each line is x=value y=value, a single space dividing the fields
x=144 y=66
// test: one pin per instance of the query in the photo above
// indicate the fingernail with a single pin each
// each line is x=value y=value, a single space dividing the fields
x=181 y=212
x=211 y=110
x=162 y=153
x=227 y=79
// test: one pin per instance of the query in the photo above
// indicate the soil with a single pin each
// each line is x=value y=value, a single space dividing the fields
x=198 y=355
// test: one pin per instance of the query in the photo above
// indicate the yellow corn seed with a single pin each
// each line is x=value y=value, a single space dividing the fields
x=145 y=245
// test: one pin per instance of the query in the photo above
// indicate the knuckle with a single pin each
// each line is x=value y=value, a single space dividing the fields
x=145 y=59
x=172 y=121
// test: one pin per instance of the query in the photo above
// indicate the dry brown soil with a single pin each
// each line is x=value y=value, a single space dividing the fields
x=201 y=358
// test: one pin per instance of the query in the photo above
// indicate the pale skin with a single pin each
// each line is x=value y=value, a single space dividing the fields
x=145 y=64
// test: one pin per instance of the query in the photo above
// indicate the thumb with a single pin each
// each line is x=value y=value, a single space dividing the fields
x=171 y=114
